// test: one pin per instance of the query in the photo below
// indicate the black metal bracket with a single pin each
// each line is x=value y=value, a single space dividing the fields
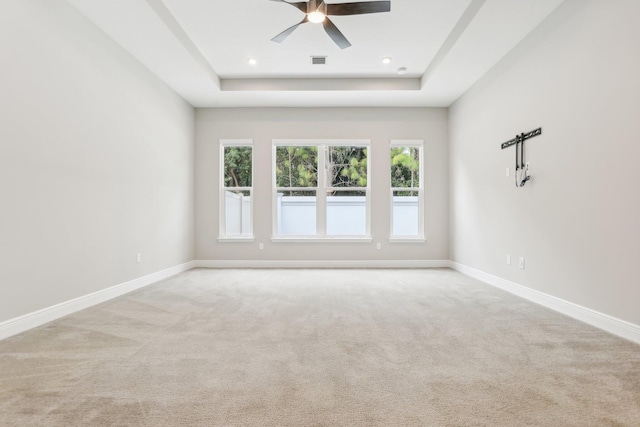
x=521 y=138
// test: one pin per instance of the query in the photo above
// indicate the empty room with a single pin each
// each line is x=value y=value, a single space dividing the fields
x=319 y=213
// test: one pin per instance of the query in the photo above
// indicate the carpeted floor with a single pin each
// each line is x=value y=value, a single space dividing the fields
x=318 y=348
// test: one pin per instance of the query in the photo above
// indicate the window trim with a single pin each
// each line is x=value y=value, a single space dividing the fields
x=398 y=238
x=321 y=196
x=223 y=237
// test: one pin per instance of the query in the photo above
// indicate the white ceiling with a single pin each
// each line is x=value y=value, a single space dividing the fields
x=200 y=48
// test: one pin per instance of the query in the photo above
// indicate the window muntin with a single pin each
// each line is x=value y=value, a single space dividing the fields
x=236 y=202
x=321 y=189
x=407 y=195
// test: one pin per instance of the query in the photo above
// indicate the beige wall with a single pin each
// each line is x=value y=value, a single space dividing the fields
x=96 y=161
x=576 y=221
x=380 y=125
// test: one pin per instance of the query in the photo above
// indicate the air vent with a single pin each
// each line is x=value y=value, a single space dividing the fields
x=318 y=60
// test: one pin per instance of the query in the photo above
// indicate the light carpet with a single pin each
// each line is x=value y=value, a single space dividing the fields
x=318 y=348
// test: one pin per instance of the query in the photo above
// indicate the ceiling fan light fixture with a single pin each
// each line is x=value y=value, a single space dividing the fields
x=317 y=11
x=316 y=17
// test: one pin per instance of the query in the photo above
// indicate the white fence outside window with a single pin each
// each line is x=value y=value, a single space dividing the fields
x=237 y=214
x=346 y=215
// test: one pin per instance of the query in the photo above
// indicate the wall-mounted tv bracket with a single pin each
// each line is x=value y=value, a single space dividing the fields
x=522 y=169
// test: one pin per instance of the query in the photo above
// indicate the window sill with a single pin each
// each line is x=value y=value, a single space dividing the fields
x=307 y=239
x=407 y=240
x=248 y=239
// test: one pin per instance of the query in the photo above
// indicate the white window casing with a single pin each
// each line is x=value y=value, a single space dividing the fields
x=303 y=207
x=232 y=203
x=416 y=232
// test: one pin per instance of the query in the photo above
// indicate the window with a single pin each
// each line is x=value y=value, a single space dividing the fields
x=321 y=189
x=236 y=182
x=407 y=194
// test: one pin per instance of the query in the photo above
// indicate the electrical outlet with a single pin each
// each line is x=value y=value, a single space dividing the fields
x=507 y=173
x=521 y=263
x=138 y=257
x=261 y=246
x=378 y=245
x=508 y=259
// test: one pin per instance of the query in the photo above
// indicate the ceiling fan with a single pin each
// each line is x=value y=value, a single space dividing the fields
x=317 y=11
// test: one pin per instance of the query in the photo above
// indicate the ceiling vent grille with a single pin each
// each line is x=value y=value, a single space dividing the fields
x=318 y=60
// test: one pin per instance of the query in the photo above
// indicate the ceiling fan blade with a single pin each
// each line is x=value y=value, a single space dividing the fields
x=358 y=8
x=286 y=33
x=335 y=34
x=300 y=5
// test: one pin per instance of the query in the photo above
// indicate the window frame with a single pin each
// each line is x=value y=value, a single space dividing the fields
x=222 y=223
x=321 y=191
x=420 y=237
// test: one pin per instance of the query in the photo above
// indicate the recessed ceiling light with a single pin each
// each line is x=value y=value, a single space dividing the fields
x=402 y=70
x=386 y=60
x=252 y=61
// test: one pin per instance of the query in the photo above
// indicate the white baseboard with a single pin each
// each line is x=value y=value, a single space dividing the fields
x=602 y=321
x=322 y=264
x=37 y=318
